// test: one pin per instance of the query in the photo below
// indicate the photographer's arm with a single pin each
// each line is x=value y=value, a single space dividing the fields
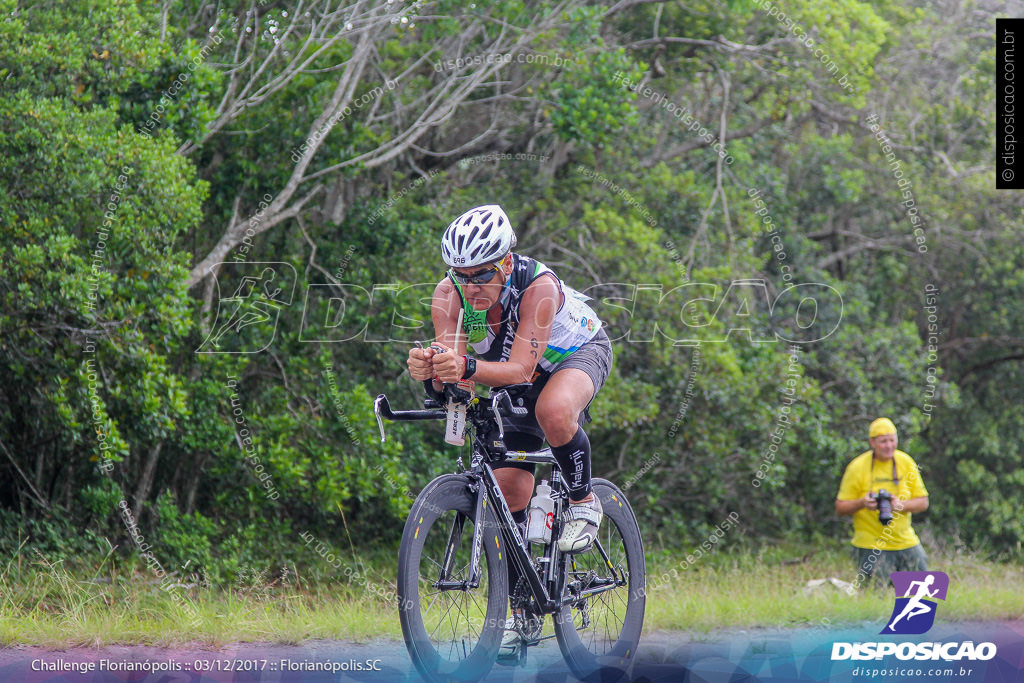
x=849 y=507
x=912 y=506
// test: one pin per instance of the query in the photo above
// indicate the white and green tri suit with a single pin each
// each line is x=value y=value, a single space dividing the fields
x=575 y=324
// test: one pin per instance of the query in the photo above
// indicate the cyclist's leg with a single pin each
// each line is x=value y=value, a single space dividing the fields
x=559 y=406
x=516 y=478
x=516 y=485
x=561 y=410
x=516 y=482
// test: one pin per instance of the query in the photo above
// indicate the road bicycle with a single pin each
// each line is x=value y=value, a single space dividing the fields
x=452 y=575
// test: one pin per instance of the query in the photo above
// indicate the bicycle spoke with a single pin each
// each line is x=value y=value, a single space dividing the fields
x=600 y=616
x=453 y=617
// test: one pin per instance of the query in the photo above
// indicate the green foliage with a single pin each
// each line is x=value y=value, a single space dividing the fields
x=590 y=104
x=182 y=541
x=88 y=52
x=123 y=171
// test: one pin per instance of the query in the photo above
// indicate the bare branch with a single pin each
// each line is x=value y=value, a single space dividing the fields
x=720 y=43
x=405 y=124
x=233 y=237
x=868 y=244
x=35 y=493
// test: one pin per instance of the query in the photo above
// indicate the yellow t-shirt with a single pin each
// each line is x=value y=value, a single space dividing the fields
x=864 y=474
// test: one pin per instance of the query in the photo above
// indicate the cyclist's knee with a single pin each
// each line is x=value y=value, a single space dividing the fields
x=559 y=420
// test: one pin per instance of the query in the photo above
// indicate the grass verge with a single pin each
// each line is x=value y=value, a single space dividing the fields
x=43 y=603
x=768 y=589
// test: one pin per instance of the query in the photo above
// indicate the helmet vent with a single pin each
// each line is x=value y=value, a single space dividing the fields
x=477 y=237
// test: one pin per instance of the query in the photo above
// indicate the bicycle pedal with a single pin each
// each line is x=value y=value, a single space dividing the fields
x=533 y=629
x=517 y=659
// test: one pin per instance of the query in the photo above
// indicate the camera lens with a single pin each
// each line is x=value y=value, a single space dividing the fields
x=884 y=507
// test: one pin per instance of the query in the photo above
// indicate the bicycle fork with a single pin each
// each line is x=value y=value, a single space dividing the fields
x=452 y=548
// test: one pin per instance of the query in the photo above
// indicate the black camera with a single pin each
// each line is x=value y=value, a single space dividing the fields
x=884 y=499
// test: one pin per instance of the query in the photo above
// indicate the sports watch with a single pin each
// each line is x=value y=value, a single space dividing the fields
x=470 y=367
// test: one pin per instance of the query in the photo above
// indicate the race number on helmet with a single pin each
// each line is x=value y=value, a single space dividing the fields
x=480 y=235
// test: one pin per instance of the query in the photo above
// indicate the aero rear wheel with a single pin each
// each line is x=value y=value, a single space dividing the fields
x=452 y=629
x=598 y=630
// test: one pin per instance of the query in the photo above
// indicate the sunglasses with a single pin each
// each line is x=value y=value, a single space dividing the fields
x=479 y=278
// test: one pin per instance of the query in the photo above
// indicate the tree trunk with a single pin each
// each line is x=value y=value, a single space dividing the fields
x=146 y=478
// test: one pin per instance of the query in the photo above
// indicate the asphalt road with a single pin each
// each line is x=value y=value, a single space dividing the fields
x=728 y=656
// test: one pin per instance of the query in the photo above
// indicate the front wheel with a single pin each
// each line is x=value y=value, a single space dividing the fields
x=452 y=617
x=598 y=629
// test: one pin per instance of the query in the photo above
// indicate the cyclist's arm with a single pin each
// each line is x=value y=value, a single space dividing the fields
x=444 y=311
x=536 y=316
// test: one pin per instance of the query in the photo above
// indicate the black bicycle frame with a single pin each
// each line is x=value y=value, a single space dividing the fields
x=515 y=544
x=485 y=487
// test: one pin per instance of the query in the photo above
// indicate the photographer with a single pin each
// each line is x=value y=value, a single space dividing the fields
x=881 y=488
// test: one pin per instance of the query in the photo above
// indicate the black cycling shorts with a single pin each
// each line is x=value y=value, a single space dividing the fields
x=522 y=432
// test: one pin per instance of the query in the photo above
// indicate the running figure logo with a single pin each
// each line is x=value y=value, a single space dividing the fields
x=247 y=320
x=916 y=595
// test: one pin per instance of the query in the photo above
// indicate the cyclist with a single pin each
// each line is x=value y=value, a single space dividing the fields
x=524 y=325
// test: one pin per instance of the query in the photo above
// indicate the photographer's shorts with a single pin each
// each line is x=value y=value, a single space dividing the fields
x=872 y=562
x=523 y=433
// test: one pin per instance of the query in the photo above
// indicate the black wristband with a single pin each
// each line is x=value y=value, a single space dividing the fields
x=470 y=367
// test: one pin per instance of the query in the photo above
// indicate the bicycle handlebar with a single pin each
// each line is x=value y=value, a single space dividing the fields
x=436 y=396
x=501 y=404
x=504 y=403
x=382 y=409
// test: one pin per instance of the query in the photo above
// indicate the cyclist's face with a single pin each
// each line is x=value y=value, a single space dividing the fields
x=884 y=446
x=483 y=296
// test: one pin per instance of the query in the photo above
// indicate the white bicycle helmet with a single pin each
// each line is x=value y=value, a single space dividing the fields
x=481 y=235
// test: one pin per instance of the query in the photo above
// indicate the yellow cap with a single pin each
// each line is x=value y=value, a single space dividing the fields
x=882 y=425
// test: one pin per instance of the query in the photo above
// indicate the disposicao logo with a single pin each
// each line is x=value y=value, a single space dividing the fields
x=917 y=594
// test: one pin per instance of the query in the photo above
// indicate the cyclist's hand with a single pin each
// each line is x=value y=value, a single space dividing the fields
x=447 y=365
x=420 y=367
